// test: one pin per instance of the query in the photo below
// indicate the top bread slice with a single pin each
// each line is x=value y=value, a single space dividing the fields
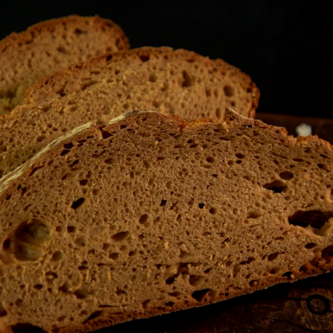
x=48 y=47
x=149 y=215
x=179 y=82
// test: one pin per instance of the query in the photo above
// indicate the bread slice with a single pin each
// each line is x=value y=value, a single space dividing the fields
x=48 y=47
x=149 y=215
x=162 y=79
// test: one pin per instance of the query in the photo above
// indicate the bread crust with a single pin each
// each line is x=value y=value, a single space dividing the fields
x=27 y=36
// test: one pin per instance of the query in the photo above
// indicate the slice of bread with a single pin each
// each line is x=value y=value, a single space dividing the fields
x=149 y=215
x=48 y=47
x=179 y=82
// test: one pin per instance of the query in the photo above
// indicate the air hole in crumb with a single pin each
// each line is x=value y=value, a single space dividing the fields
x=286 y=175
x=38 y=286
x=213 y=211
x=105 y=246
x=143 y=218
x=163 y=203
x=327 y=253
x=114 y=256
x=83 y=182
x=81 y=293
x=210 y=159
x=315 y=218
x=239 y=155
x=120 y=292
x=83 y=268
x=187 y=81
x=93 y=316
x=57 y=256
x=68 y=145
x=195 y=280
x=169 y=304
x=61 y=49
x=144 y=57
x=175 y=294
x=6 y=244
x=253 y=283
x=201 y=205
x=310 y=245
x=76 y=204
x=273 y=256
x=71 y=229
x=200 y=295
x=24 y=328
x=253 y=215
x=288 y=274
x=18 y=302
x=171 y=279
x=81 y=241
x=322 y=166
x=35 y=233
x=145 y=304
x=105 y=134
x=120 y=236
x=110 y=161
x=152 y=77
x=277 y=186
x=95 y=191
x=229 y=91
x=274 y=270
x=64 y=152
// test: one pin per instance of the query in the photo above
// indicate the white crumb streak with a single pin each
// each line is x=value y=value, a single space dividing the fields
x=11 y=176
x=129 y=114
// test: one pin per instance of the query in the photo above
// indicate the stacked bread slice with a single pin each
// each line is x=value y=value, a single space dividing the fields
x=161 y=79
x=50 y=46
x=150 y=214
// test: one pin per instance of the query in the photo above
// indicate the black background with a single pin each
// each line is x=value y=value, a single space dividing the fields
x=285 y=46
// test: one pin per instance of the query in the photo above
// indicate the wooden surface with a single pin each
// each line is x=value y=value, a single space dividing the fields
x=304 y=306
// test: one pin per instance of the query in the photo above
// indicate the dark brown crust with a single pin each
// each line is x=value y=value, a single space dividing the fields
x=27 y=36
x=168 y=53
x=232 y=119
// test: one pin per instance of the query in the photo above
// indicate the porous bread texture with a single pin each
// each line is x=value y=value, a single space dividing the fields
x=150 y=215
x=162 y=79
x=48 y=47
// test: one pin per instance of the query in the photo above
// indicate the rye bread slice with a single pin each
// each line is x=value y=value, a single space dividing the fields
x=150 y=215
x=162 y=79
x=48 y=47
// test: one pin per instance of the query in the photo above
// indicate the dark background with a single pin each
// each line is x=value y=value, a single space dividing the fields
x=285 y=46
